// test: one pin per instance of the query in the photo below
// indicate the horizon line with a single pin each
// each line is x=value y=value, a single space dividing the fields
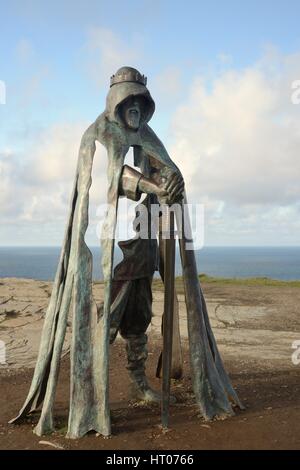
x=205 y=246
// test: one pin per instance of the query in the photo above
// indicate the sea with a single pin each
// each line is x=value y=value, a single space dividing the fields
x=240 y=262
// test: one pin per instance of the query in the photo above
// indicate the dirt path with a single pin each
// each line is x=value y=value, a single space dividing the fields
x=254 y=333
x=271 y=419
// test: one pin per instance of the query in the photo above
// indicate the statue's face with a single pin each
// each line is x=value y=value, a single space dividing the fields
x=132 y=114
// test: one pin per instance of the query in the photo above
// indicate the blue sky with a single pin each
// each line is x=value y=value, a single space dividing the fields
x=56 y=58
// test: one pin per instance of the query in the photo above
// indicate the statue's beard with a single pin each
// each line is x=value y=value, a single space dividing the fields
x=133 y=122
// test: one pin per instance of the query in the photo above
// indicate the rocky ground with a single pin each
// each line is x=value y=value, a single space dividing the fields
x=255 y=327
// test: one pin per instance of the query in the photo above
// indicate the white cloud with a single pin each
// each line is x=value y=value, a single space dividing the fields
x=25 y=50
x=224 y=58
x=238 y=143
x=167 y=85
x=38 y=191
x=104 y=52
x=237 y=140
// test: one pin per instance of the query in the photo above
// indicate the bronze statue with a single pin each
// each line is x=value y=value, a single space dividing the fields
x=127 y=293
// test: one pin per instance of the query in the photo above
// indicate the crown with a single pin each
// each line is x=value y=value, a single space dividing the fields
x=128 y=74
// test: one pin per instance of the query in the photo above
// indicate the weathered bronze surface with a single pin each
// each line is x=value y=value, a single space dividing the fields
x=169 y=281
x=127 y=294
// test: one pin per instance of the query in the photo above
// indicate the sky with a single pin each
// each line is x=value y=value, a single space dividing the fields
x=222 y=76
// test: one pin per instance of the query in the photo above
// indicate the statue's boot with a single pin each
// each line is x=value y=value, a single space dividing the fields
x=137 y=353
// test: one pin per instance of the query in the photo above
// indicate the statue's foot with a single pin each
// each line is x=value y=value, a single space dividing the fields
x=148 y=395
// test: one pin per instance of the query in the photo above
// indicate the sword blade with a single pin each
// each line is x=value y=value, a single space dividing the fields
x=169 y=281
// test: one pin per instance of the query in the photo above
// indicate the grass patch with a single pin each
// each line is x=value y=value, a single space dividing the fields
x=252 y=281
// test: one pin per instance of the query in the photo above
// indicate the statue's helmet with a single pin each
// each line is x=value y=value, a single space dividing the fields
x=125 y=84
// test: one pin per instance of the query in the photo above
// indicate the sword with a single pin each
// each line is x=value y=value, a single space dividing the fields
x=169 y=281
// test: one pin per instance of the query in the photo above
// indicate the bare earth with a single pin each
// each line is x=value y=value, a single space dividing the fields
x=255 y=327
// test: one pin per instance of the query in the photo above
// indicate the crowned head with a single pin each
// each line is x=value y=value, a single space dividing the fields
x=128 y=74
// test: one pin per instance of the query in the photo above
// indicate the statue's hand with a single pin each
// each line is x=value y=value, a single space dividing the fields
x=167 y=184
x=151 y=187
x=173 y=183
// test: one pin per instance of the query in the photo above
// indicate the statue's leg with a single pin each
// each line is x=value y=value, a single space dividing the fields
x=133 y=329
x=119 y=298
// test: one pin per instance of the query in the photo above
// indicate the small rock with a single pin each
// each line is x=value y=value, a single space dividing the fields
x=51 y=444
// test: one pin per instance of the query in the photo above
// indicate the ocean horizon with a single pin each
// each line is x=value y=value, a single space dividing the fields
x=281 y=263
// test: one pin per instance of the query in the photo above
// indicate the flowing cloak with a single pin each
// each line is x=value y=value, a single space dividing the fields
x=89 y=356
